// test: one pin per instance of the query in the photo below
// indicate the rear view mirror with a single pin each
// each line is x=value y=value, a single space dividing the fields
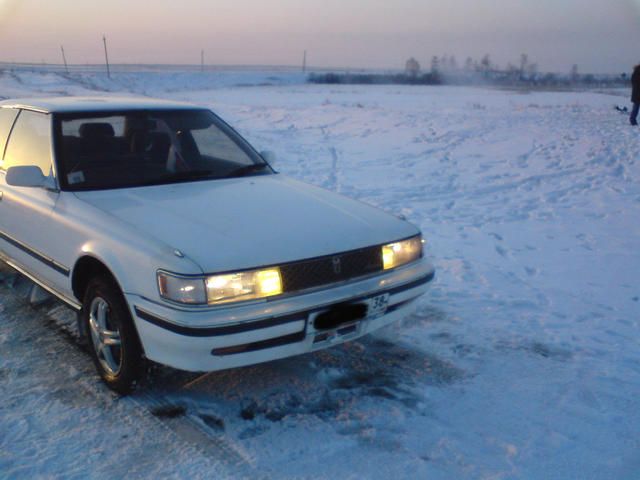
x=25 y=176
x=269 y=157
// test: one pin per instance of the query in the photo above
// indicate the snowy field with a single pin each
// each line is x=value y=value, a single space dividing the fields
x=523 y=360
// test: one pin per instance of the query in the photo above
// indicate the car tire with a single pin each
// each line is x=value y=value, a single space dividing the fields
x=111 y=335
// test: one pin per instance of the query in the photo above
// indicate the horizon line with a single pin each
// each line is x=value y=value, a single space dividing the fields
x=256 y=66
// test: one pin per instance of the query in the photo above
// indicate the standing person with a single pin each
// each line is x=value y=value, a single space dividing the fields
x=635 y=95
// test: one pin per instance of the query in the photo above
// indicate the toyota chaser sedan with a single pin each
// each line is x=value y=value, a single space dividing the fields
x=177 y=242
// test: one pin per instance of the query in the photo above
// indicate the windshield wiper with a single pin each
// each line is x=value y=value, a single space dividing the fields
x=181 y=177
x=246 y=170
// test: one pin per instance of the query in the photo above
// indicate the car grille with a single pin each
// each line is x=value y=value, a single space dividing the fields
x=330 y=269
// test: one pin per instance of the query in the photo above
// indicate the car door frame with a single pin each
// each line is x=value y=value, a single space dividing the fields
x=24 y=242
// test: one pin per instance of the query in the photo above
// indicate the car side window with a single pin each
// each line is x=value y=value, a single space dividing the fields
x=7 y=117
x=213 y=143
x=30 y=142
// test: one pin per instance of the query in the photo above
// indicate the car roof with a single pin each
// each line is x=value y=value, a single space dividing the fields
x=93 y=104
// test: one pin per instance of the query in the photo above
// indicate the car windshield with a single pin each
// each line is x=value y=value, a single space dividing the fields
x=130 y=149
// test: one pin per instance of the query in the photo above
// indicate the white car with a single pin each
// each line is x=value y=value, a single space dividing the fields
x=178 y=243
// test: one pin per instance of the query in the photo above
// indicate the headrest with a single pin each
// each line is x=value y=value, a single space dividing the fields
x=96 y=130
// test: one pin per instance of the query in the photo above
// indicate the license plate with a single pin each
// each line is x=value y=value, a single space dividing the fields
x=377 y=306
x=330 y=330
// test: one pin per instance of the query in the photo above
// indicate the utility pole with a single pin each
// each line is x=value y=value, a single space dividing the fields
x=304 y=62
x=202 y=60
x=106 y=55
x=64 y=59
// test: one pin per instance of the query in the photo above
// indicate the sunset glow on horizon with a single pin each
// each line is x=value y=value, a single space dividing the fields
x=598 y=35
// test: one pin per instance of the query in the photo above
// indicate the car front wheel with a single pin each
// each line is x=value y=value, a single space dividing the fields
x=113 y=340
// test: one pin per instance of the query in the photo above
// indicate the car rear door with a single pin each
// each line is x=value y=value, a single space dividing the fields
x=25 y=212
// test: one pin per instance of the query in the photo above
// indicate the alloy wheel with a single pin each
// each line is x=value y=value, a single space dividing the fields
x=105 y=337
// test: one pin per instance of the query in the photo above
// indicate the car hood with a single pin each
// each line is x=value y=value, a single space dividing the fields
x=248 y=222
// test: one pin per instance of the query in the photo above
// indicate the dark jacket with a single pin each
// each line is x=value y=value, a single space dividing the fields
x=635 y=85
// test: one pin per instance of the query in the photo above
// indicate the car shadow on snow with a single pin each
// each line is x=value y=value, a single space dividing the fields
x=330 y=385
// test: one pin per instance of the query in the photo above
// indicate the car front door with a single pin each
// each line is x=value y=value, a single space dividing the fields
x=25 y=212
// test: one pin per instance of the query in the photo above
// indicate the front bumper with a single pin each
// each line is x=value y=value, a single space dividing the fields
x=216 y=338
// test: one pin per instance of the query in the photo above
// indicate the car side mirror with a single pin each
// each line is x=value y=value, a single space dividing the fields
x=26 y=176
x=269 y=157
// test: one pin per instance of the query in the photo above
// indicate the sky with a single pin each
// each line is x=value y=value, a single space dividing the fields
x=600 y=36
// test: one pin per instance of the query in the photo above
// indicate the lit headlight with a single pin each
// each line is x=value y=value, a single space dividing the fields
x=399 y=253
x=190 y=290
x=249 y=285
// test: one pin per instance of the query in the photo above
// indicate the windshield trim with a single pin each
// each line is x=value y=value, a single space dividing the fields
x=58 y=155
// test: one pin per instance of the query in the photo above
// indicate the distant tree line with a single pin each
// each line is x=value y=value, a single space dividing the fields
x=445 y=70
x=375 y=78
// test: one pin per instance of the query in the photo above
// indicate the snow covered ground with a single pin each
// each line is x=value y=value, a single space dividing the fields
x=523 y=361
